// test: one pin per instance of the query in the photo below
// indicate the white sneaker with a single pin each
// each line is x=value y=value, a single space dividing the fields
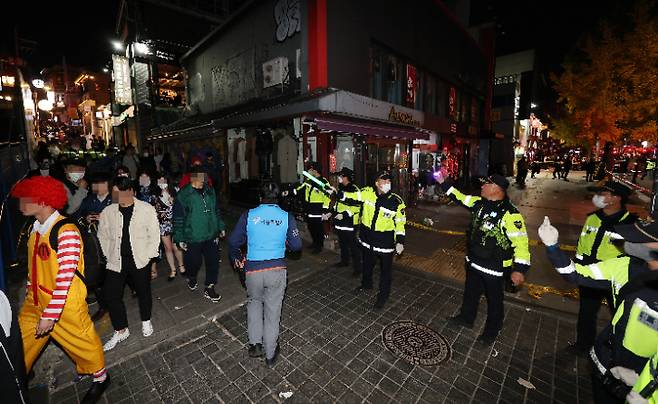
x=116 y=338
x=147 y=328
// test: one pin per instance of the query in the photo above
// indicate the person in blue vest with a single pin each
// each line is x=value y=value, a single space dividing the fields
x=266 y=231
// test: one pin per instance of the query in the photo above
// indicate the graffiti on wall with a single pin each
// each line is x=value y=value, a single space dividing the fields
x=233 y=80
x=288 y=19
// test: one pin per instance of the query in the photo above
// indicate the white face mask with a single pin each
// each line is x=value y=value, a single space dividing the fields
x=599 y=201
x=75 y=177
x=385 y=188
x=163 y=186
x=145 y=182
x=45 y=173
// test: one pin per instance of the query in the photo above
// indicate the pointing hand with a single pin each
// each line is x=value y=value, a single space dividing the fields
x=548 y=233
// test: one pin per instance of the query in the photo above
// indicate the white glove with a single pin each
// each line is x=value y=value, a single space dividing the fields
x=330 y=190
x=285 y=193
x=339 y=216
x=399 y=248
x=547 y=233
x=635 y=398
x=326 y=216
x=626 y=375
x=182 y=246
x=222 y=234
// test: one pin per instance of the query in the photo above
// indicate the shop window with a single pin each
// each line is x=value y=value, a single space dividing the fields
x=376 y=82
x=393 y=80
x=345 y=152
x=8 y=81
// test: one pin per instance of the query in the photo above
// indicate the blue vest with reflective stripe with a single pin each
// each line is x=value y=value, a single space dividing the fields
x=267 y=229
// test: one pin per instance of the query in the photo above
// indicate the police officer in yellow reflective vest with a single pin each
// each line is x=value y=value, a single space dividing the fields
x=497 y=239
x=632 y=336
x=381 y=232
x=597 y=243
x=316 y=206
x=346 y=220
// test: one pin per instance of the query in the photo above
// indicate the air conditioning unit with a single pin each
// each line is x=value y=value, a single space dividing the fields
x=275 y=72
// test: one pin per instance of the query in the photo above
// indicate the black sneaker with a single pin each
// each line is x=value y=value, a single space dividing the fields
x=96 y=391
x=210 y=294
x=191 y=284
x=361 y=289
x=459 y=321
x=271 y=361
x=487 y=338
x=256 y=351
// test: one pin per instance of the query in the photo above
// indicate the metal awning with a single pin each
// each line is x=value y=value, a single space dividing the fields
x=370 y=128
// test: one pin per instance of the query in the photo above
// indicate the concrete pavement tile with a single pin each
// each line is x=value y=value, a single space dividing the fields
x=378 y=396
x=322 y=396
x=183 y=373
x=118 y=394
x=283 y=367
x=388 y=386
x=349 y=397
x=235 y=372
x=309 y=388
x=372 y=376
x=455 y=395
x=165 y=383
x=361 y=387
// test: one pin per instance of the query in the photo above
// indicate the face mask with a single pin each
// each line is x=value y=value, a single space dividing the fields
x=640 y=251
x=599 y=201
x=45 y=173
x=385 y=188
x=146 y=154
x=75 y=177
x=162 y=186
x=145 y=182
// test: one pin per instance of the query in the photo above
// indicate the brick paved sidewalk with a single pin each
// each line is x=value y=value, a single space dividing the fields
x=332 y=351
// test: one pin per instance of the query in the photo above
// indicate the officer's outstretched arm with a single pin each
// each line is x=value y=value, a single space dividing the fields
x=596 y=275
x=351 y=197
x=456 y=195
x=400 y=222
x=516 y=232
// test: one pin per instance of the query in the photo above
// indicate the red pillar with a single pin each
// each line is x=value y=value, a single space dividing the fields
x=317 y=44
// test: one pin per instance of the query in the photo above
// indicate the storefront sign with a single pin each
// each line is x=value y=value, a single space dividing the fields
x=411 y=85
x=452 y=103
x=402 y=117
x=121 y=73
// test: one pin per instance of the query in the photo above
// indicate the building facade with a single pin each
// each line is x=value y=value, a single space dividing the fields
x=366 y=85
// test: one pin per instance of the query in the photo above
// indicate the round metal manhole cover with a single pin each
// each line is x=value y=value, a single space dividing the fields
x=416 y=343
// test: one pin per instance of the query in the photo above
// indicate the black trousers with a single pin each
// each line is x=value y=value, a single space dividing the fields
x=590 y=302
x=369 y=259
x=209 y=252
x=477 y=283
x=349 y=248
x=601 y=393
x=113 y=292
x=316 y=228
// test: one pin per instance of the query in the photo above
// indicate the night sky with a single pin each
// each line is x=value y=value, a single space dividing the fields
x=82 y=31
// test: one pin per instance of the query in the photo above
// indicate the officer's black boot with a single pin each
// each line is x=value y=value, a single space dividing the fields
x=96 y=391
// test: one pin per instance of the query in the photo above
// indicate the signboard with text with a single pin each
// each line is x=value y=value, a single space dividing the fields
x=411 y=85
x=121 y=74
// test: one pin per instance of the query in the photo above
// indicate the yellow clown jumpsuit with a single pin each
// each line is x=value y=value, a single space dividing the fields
x=73 y=330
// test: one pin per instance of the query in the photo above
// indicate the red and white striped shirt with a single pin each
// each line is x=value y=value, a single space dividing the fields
x=69 y=244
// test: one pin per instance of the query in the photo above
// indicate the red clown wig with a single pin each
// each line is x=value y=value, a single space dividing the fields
x=42 y=190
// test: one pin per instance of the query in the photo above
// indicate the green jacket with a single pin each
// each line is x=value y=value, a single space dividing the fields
x=196 y=216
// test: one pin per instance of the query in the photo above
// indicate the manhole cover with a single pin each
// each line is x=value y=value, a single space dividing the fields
x=416 y=343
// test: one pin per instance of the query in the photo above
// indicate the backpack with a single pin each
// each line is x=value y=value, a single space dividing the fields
x=93 y=254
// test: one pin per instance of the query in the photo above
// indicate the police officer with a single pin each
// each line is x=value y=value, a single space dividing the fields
x=632 y=336
x=381 y=232
x=497 y=239
x=594 y=245
x=345 y=221
x=266 y=230
x=316 y=204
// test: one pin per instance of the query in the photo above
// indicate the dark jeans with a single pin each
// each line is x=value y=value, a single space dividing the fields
x=316 y=228
x=369 y=258
x=349 y=247
x=590 y=302
x=492 y=286
x=209 y=252
x=113 y=292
